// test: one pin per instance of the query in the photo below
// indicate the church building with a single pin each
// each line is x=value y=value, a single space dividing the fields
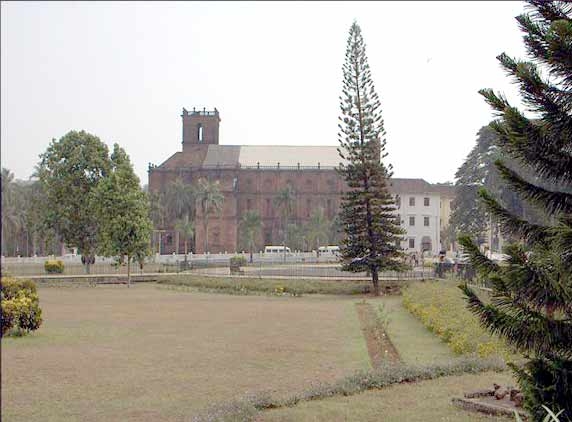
x=250 y=177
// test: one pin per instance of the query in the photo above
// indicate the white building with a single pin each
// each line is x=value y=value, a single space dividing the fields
x=420 y=213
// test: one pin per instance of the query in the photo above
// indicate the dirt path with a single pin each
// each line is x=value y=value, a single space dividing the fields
x=379 y=346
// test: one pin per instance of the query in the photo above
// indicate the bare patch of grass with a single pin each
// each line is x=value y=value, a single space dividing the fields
x=145 y=354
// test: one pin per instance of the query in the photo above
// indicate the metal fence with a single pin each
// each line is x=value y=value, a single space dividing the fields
x=293 y=265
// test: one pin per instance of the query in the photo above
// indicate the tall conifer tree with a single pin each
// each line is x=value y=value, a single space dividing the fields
x=531 y=300
x=368 y=213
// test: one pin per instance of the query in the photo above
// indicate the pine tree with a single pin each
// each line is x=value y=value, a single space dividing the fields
x=531 y=301
x=368 y=212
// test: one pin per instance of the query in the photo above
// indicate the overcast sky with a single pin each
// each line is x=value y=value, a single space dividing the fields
x=124 y=71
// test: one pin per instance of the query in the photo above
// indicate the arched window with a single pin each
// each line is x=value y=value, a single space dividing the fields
x=200 y=133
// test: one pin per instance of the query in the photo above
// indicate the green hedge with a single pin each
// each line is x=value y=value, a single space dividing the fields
x=20 y=304
x=54 y=267
x=237 y=261
x=441 y=307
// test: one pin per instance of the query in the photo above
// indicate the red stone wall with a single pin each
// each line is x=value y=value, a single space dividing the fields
x=255 y=190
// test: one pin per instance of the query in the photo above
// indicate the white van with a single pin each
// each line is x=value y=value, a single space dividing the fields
x=334 y=250
x=276 y=249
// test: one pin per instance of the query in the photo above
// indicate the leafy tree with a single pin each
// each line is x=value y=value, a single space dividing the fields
x=186 y=227
x=531 y=300
x=250 y=227
x=210 y=200
x=122 y=209
x=468 y=215
x=10 y=217
x=368 y=211
x=284 y=201
x=318 y=228
x=69 y=172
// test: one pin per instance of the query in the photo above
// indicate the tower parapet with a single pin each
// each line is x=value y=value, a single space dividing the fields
x=200 y=127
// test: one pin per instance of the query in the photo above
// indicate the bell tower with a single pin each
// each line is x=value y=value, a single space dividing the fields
x=200 y=127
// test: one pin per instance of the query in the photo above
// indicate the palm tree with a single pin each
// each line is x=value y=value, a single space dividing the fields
x=284 y=201
x=179 y=198
x=186 y=227
x=157 y=209
x=318 y=228
x=209 y=199
x=250 y=226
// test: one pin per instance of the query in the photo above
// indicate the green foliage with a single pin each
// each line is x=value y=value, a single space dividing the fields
x=318 y=229
x=368 y=212
x=210 y=201
x=69 y=172
x=54 y=267
x=267 y=286
x=186 y=227
x=237 y=261
x=550 y=415
x=20 y=306
x=530 y=304
x=122 y=209
x=179 y=199
x=249 y=229
x=441 y=308
x=285 y=201
x=468 y=215
x=24 y=229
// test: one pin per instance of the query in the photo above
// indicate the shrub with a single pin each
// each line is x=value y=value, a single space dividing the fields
x=441 y=308
x=20 y=305
x=8 y=316
x=54 y=267
x=245 y=409
x=237 y=261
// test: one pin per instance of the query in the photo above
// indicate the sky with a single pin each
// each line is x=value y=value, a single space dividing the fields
x=124 y=70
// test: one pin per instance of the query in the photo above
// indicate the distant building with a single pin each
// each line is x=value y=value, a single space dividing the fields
x=419 y=212
x=447 y=195
x=251 y=176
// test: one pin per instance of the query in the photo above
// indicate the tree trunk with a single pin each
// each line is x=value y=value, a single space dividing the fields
x=177 y=242
x=375 y=280
x=206 y=225
x=128 y=271
x=186 y=248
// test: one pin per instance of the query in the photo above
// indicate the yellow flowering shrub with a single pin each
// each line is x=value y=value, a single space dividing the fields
x=442 y=309
x=20 y=305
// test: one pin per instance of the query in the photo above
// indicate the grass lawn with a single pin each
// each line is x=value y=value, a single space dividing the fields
x=426 y=401
x=415 y=344
x=148 y=354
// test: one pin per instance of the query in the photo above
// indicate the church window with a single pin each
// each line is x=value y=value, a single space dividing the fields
x=200 y=133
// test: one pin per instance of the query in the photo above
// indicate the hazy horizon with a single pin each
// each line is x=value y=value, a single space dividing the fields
x=123 y=71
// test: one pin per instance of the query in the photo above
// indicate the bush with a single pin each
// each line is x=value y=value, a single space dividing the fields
x=441 y=308
x=245 y=409
x=54 y=267
x=20 y=306
x=237 y=261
